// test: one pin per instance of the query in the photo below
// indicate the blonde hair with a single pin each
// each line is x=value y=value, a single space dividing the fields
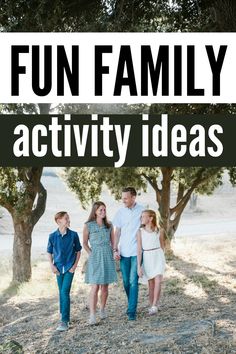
x=151 y=213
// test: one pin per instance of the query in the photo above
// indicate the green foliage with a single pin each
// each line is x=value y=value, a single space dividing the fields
x=119 y=15
x=87 y=185
x=18 y=189
x=201 y=16
x=135 y=15
x=11 y=187
x=67 y=15
x=117 y=179
x=186 y=176
x=54 y=15
x=81 y=15
x=203 y=281
x=188 y=109
x=19 y=108
x=174 y=286
x=15 y=185
x=85 y=182
x=232 y=175
x=11 y=347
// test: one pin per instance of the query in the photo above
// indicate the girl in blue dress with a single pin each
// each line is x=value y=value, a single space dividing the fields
x=98 y=241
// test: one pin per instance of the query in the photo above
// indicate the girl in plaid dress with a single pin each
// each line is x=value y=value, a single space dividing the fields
x=98 y=241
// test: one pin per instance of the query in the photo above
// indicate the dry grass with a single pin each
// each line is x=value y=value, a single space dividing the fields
x=197 y=313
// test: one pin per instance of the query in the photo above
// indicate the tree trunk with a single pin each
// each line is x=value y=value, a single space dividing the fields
x=22 y=250
x=168 y=249
x=44 y=108
x=165 y=205
x=24 y=221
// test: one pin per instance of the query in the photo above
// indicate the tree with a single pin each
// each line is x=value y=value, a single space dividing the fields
x=166 y=182
x=24 y=196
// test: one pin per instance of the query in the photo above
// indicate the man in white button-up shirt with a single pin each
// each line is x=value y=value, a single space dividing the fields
x=127 y=223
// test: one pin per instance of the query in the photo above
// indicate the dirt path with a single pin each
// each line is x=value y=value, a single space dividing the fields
x=198 y=310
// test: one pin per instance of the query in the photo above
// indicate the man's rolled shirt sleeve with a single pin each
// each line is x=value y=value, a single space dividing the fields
x=78 y=246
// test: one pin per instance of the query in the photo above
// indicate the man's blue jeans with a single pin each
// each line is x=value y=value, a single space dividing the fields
x=64 y=282
x=128 y=267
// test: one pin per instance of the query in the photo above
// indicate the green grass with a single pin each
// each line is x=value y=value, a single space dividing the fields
x=203 y=281
x=11 y=347
x=174 y=286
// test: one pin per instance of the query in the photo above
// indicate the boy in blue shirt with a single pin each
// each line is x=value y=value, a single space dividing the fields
x=64 y=253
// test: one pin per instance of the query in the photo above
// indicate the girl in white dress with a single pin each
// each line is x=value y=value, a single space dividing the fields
x=151 y=258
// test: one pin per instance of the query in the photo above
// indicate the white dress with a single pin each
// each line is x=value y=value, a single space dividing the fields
x=153 y=255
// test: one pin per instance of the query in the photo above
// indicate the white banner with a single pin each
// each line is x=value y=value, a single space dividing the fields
x=118 y=68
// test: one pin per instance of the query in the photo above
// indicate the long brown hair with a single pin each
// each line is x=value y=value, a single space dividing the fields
x=151 y=213
x=92 y=216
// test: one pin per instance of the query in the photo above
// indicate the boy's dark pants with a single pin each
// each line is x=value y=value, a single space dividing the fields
x=64 y=282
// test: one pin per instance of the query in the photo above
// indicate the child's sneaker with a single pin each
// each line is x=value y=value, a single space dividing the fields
x=63 y=326
x=152 y=310
x=103 y=314
x=92 y=320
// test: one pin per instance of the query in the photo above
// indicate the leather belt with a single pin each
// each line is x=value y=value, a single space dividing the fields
x=152 y=249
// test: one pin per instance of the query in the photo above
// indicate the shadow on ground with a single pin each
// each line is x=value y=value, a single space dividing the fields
x=198 y=322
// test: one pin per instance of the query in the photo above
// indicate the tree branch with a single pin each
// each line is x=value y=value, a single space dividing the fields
x=119 y=9
x=6 y=205
x=39 y=210
x=153 y=183
x=44 y=108
x=180 y=192
x=178 y=209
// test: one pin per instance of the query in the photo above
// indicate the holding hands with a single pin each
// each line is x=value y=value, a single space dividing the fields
x=116 y=255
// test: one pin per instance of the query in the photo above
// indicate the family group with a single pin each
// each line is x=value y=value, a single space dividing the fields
x=133 y=238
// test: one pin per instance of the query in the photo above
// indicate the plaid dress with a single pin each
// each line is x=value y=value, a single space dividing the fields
x=101 y=265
